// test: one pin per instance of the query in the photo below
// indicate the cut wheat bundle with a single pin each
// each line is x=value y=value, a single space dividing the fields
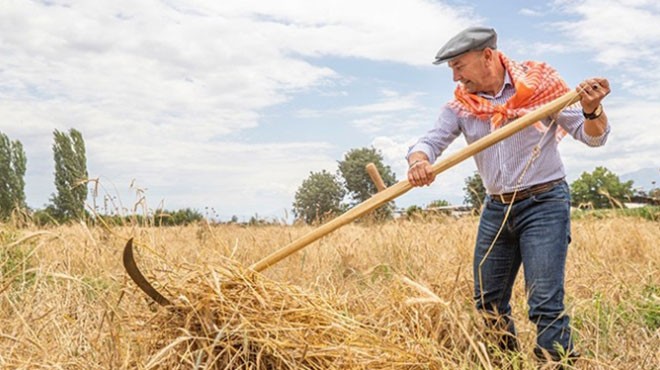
x=228 y=317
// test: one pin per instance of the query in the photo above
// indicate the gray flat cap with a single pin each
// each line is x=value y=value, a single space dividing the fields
x=473 y=38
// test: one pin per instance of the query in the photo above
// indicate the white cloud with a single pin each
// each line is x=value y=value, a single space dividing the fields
x=371 y=29
x=395 y=122
x=539 y=48
x=621 y=34
x=632 y=144
x=392 y=103
x=392 y=112
x=156 y=86
x=170 y=92
x=530 y=12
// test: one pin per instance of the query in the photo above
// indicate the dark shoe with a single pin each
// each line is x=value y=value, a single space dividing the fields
x=551 y=359
x=508 y=343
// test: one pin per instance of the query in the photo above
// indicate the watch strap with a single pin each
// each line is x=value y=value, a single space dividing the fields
x=595 y=114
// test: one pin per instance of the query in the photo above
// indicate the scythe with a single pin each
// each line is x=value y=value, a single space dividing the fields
x=377 y=200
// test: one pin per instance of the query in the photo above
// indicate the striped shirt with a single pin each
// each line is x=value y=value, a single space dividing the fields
x=502 y=164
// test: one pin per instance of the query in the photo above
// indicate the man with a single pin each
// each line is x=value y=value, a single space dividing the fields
x=491 y=91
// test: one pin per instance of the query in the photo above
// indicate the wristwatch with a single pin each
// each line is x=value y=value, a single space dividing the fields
x=595 y=114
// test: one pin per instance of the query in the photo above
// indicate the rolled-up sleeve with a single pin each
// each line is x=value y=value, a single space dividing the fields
x=436 y=140
x=572 y=121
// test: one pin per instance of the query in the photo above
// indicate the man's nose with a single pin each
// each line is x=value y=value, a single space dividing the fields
x=456 y=76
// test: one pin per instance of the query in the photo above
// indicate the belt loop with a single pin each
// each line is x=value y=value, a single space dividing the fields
x=502 y=199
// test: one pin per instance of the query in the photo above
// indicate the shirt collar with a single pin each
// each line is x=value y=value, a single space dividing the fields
x=507 y=82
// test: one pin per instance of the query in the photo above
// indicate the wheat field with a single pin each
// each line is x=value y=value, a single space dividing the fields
x=394 y=295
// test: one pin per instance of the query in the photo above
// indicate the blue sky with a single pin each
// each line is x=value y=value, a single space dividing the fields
x=229 y=105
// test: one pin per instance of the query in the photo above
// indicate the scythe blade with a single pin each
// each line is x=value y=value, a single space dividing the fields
x=138 y=278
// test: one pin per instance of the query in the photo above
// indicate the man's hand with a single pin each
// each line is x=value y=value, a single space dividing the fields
x=592 y=92
x=420 y=171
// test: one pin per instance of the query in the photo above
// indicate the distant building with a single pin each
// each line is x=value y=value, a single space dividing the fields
x=637 y=201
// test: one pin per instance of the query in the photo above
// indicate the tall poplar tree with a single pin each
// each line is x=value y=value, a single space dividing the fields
x=70 y=175
x=12 y=176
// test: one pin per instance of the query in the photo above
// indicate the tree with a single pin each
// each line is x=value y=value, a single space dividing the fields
x=319 y=197
x=356 y=179
x=600 y=189
x=357 y=182
x=654 y=193
x=184 y=217
x=437 y=203
x=436 y=207
x=70 y=175
x=475 y=192
x=414 y=210
x=12 y=176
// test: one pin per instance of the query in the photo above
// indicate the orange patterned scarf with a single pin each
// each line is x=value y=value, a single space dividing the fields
x=536 y=84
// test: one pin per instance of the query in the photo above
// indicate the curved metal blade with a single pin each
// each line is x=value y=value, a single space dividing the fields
x=138 y=278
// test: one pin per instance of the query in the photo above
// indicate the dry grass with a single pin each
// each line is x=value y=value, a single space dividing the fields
x=394 y=295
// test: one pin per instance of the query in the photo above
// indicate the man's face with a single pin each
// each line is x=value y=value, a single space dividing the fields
x=470 y=70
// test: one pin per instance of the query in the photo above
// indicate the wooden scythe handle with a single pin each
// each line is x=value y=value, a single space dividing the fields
x=403 y=186
x=372 y=170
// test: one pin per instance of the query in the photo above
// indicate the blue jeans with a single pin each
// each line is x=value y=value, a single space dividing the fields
x=536 y=235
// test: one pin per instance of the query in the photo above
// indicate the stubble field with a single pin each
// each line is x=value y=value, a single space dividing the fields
x=396 y=295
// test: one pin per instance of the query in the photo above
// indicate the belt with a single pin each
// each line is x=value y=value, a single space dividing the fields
x=507 y=198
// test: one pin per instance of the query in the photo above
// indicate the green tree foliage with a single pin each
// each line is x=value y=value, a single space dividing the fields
x=437 y=203
x=318 y=198
x=356 y=179
x=654 y=193
x=70 y=175
x=357 y=182
x=12 y=176
x=475 y=192
x=414 y=210
x=430 y=209
x=600 y=189
x=45 y=217
x=184 y=216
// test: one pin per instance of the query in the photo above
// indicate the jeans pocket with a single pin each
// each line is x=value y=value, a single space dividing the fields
x=492 y=205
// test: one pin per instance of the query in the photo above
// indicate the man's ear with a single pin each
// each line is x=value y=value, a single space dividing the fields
x=489 y=54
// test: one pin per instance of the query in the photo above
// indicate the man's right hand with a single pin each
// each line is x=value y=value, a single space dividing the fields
x=420 y=172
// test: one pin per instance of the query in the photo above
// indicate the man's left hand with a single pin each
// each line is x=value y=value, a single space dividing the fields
x=592 y=92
